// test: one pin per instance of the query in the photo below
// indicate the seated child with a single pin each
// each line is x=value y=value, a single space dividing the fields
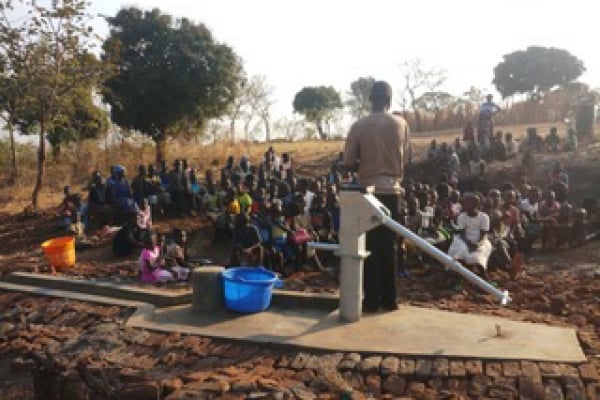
x=144 y=216
x=175 y=256
x=471 y=245
x=150 y=262
x=247 y=248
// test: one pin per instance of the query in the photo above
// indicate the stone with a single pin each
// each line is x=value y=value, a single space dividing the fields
x=440 y=367
x=349 y=361
x=74 y=388
x=188 y=394
x=305 y=375
x=406 y=367
x=300 y=361
x=415 y=389
x=285 y=361
x=140 y=391
x=549 y=370
x=389 y=365
x=575 y=392
x=511 y=369
x=394 y=385
x=593 y=391
x=478 y=385
x=303 y=393
x=568 y=370
x=530 y=370
x=313 y=362
x=553 y=391
x=355 y=380
x=493 y=369
x=530 y=388
x=170 y=385
x=589 y=373
x=244 y=385
x=213 y=386
x=207 y=288
x=370 y=365
x=457 y=368
x=373 y=384
x=330 y=360
x=474 y=367
x=423 y=367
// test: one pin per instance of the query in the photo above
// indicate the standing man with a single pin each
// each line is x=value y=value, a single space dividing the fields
x=379 y=144
x=487 y=110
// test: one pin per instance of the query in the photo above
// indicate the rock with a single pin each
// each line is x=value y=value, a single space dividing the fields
x=406 y=367
x=331 y=360
x=306 y=375
x=300 y=361
x=373 y=384
x=285 y=361
x=415 y=389
x=423 y=367
x=389 y=365
x=457 y=368
x=6 y=327
x=313 y=362
x=530 y=388
x=213 y=386
x=473 y=367
x=493 y=369
x=370 y=365
x=140 y=391
x=530 y=370
x=171 y=385
x=589 y=373
x=394 y=385
x=440 y=367
x=19 y=364
x=303 y=393
x=435 y=383
x=269 y=385
x=511 y=369
x=553 y=391
x=244 y=385
x=575 y=392
x=355 y=380
x=478 y=385
x=549 y=370
x=567 y=370
x=74 y=388
x=349 y=361
x=188 y=394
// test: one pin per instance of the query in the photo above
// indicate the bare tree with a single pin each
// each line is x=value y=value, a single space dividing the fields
x=418 y=78
x=261 y=100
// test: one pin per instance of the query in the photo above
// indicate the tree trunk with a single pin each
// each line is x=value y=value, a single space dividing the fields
x=267 y=129
x=41 y=164
x=56 y=151
x=13 y=155
x=417 y=119
x=320 y=130
x=161 y=148
x=232 y=131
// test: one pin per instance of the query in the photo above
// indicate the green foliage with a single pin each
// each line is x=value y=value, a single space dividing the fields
x=317 y=104
x=358 y=101
x=536 y=70
x=169 y=72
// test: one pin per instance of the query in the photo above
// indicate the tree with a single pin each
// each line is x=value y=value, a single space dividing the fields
x=167 y=71
x=260 y=94
x=358 y=100
x=12 y=102
x=317 y=104
x=50 y=49
x=418 y=78
x=535 y=71
x=81 y=120
x=435 y=102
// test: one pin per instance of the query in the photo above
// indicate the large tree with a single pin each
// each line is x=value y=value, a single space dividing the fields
x=418 y=78
x=167 y=71
x=358 y=97
x=318 y=104
x=536 y=70
x=49 y=51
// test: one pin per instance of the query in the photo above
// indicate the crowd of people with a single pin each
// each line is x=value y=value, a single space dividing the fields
x=269 y=215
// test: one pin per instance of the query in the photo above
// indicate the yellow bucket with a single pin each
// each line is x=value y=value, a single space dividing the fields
x=60 y=252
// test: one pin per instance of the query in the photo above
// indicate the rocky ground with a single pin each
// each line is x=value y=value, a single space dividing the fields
x=60 y=349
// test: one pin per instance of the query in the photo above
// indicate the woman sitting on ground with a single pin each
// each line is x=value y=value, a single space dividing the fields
x=176 y=257
x=247 y=248
x=471 y=245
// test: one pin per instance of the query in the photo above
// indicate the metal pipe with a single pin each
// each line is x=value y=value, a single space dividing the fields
x=444 y=258
x=323 y=246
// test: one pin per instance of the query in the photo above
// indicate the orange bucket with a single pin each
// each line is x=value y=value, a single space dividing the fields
x=60 y=252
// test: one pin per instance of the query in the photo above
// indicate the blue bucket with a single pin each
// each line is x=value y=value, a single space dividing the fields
x=249 y=289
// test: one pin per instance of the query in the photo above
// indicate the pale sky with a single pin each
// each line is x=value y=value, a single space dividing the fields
x=333 y=42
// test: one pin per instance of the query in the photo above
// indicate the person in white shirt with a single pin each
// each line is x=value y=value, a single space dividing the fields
x=511 y=145
x=471 y=245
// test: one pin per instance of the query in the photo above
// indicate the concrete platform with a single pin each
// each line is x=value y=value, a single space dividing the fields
x=409 y=331
x=160 y=297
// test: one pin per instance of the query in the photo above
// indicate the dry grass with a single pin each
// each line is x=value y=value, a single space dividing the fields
x=77 y=162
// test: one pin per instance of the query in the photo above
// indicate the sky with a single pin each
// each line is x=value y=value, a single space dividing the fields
x=333 y=42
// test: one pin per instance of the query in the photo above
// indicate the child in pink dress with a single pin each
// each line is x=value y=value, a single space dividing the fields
x=151 y=271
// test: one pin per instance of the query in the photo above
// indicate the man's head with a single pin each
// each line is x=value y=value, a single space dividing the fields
x=381 y=96
x=489 y=98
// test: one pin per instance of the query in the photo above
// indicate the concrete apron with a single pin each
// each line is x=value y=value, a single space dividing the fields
x=409 y=331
